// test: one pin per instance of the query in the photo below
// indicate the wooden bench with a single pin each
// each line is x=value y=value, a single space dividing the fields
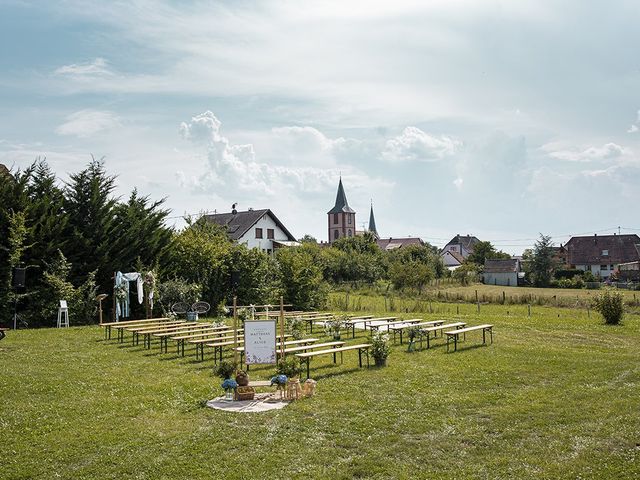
x=205 y=331
x=307 y=356
x=218 y=346
x=409 y=322
x=365 y=319
x=313 y=346
x=279 y=345
x=107 y=326
x=121 y=328
x=146 y=332
x=400 y=328
x=456 y=333
x=436 y=329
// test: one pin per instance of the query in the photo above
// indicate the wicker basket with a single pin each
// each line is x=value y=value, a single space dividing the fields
x=245 y=393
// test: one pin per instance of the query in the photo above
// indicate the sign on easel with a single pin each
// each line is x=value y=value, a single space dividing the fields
x=260 y=342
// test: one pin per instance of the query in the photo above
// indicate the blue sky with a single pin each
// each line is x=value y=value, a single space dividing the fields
x=499 y=119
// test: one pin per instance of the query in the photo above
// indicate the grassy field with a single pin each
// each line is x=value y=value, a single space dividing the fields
x=371 y=298
x=555 y=396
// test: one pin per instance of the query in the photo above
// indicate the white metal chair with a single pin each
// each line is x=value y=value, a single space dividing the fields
x=63 y=314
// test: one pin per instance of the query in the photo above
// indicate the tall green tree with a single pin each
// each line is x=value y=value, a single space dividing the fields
x=303 y=285
x=91 y=232
x=485 y=251
x=539 y=264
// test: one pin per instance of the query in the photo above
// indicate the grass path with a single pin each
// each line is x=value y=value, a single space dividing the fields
x=552 y=398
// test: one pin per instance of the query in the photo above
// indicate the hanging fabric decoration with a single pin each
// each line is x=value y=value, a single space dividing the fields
x=121 y=292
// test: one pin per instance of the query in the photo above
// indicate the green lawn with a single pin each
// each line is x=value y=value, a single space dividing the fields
x=556 y=396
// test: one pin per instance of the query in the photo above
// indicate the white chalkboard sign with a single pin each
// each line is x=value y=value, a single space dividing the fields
x=260 y=342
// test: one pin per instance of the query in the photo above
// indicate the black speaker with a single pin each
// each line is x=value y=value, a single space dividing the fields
x=19 y=277
x=235 y=279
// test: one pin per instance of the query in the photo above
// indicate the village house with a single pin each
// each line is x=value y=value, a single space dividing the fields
x=602 y=254
x=254 y=228
x=457 y=250
x=502 y=272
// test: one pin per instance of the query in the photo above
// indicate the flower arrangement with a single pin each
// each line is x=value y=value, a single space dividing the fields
x=296 y=327
x=224 y=370
x=279 y=380
x=414 y=333
x=289 y=367
x=229 y=384
x=150 y=281
x=121 y=292
x=380 y=347
x=334 y=325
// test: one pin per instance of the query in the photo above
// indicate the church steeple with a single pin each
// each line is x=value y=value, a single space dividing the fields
x=341 y=218
x=372 y=223
x=341 y=206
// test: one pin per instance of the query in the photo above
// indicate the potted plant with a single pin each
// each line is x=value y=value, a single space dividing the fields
x=334 y=326
x=380 y=348
x=224 y=369
x=296 y=327
x=414 y=333
x=289 y=367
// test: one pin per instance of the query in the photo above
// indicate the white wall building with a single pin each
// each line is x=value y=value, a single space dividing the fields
x=255 y=228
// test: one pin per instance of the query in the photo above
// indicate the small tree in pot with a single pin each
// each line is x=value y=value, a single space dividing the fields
x=380 y=348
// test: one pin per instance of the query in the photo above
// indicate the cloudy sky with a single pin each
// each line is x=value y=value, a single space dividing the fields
x=499 y=119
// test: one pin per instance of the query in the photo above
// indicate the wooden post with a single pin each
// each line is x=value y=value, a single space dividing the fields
x=235 y=332
x=282 y=328
x=503 y=297
x=476 y=296
x=529 y=309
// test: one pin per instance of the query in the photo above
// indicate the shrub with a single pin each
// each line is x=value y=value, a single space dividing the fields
x=289 y=367
x=224 y=369
x=174 y=291
x=610 y=305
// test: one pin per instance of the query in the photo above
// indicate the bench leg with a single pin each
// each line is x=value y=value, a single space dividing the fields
x=484 y=340
x=491 y=334
x=400 y=337
x=308 y=367
x=353 y=330
x=455 y=343
x=367 y=353
x=428 y=339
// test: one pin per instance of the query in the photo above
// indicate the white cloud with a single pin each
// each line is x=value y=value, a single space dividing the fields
x=86 y=123
x=458 y=182
x=609 y=151
x=99 y=66
x=632 y=129
x=415 y=145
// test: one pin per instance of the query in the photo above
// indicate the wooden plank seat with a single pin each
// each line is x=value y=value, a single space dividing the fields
x=378 y=324
x=364 y=320
x=119 y=325
x=435 y=330
x=218 y=346
x=362 y=347
x=180 y=336
x=201 y=342
x=132 y=328
x=455 y=334
x=400 y=328
x=313 y=346
x=146 y=332
x=279 y=345
x=313 y=319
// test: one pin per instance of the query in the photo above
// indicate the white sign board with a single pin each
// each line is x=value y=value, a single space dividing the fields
x=260 y=342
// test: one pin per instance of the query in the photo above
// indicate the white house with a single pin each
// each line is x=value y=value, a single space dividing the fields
x=501 y=272
x=255 y=229
x=457 y=250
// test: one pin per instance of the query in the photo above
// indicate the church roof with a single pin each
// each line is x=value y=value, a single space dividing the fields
x=372 y=223
x=341 y=206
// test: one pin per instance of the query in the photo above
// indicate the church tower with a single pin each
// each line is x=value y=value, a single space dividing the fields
x=372 y=224
x=342 y=218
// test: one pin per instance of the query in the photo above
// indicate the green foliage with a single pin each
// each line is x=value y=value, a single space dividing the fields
x=177 y=290
x=467 y=273
x=289 y=366
x=485 y=251
x=224 y=369
x=539 y=263
x=413 y=266
x=335 y=324
x=380 y=346
x=296 y=326
x=303 y=286
x=610 y=305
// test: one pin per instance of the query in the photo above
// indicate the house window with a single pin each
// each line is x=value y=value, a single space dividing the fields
x=349 y=232
x=258 y=233
x=270 y=233
x=604 y=267
x=335 y=218
x=336 y=234
x=349 y=220
x=605 y=253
